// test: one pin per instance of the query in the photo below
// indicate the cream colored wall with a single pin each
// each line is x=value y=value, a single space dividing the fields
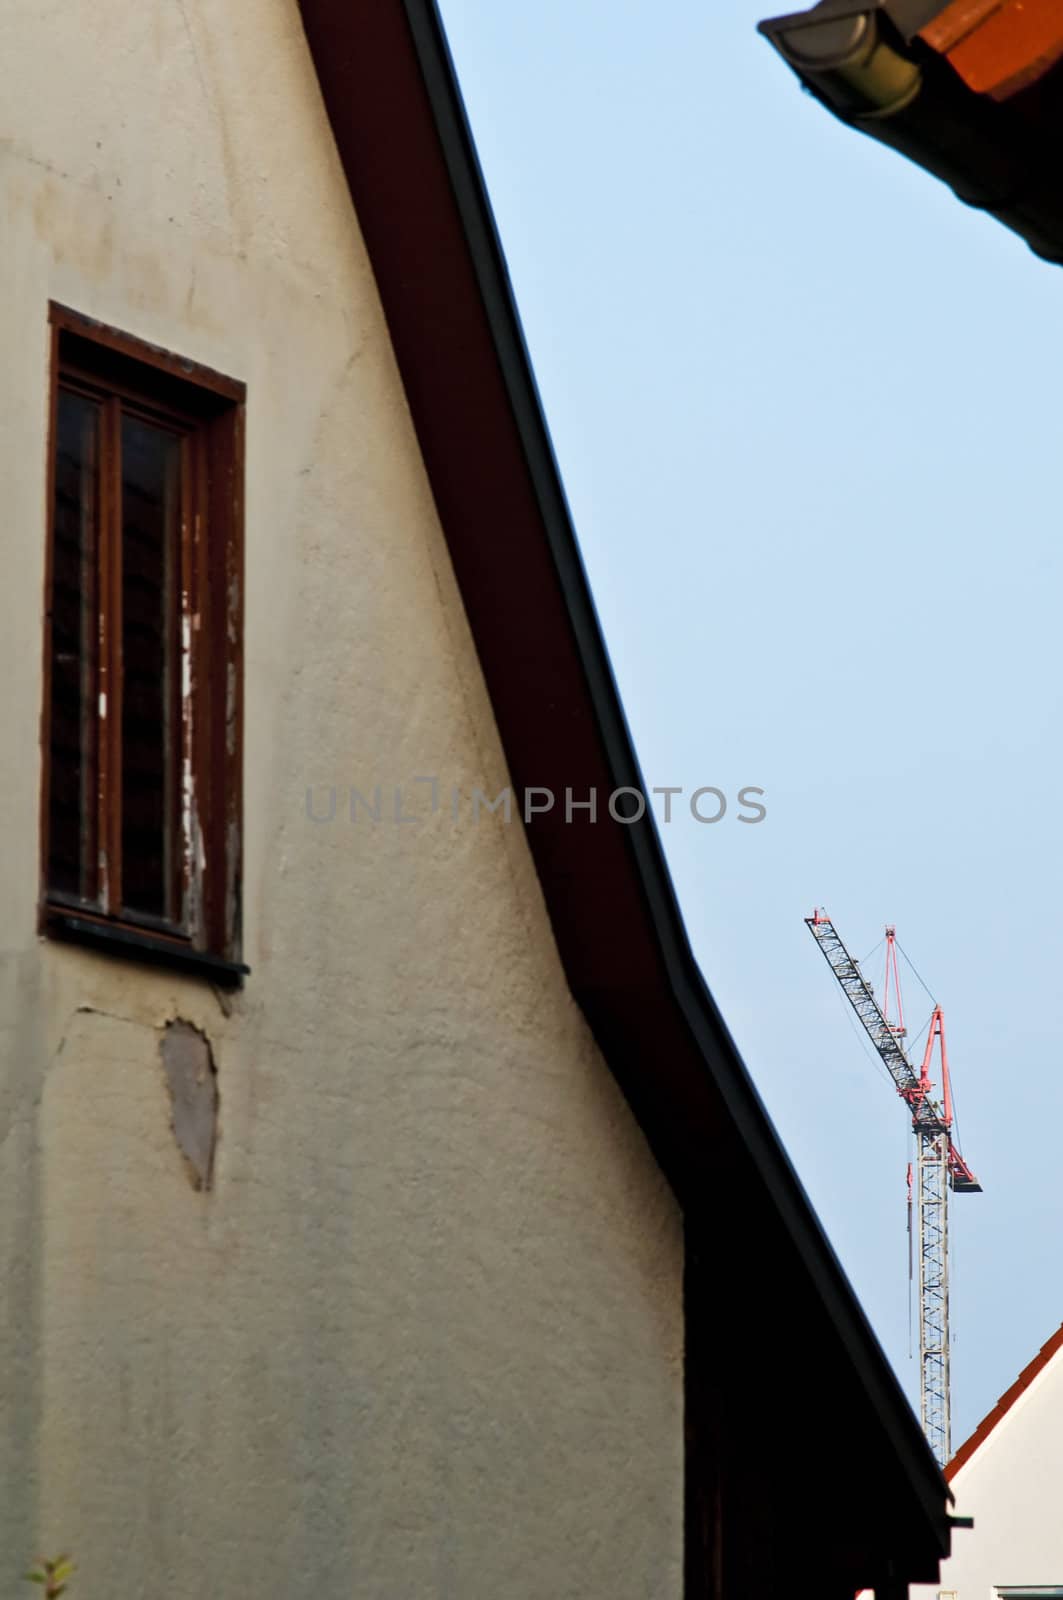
x=1013 y=1488
x=423 y=1338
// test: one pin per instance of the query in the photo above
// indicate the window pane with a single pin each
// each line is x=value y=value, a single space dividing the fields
x=151 y=732
x=75 y=637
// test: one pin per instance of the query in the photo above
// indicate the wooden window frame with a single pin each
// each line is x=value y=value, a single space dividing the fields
x=127 y=376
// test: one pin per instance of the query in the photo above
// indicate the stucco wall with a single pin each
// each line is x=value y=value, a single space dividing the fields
x=1013 y=1488
x=423 y=1336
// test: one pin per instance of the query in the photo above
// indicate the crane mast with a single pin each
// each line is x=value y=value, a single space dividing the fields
x=939 y=1166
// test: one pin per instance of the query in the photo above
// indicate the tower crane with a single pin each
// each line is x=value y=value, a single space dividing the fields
x=939 y=1166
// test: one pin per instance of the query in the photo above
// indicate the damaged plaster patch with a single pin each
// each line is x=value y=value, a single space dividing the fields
x=192 y=1079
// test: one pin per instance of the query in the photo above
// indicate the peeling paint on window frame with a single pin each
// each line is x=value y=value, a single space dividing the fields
x=210 y=408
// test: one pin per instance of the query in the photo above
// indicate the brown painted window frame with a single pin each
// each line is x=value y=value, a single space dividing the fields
x=124 y=374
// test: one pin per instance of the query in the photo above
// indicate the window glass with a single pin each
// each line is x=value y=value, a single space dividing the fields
x=72 y=794
x=151 y=738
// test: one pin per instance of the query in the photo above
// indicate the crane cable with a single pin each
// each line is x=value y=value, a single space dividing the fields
x=933 y=1002
x=911 y=963
x=865 y=1043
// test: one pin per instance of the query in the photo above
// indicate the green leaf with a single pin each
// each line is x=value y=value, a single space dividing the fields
x=36 y=1576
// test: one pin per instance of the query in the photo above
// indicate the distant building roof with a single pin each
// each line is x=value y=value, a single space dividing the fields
x=1040 y=1361
x=972 y=90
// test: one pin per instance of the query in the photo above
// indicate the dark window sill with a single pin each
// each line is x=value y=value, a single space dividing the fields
x=134 y=945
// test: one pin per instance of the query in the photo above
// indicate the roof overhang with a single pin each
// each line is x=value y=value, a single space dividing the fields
x=818 y=1395
x=972 y=90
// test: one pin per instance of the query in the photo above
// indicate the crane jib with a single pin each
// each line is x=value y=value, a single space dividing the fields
x=927 y=1115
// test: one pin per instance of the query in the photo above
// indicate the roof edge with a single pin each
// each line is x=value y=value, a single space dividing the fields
x=877 y=77
x=718 y=1049
x=691 y=999
x=993 y=1418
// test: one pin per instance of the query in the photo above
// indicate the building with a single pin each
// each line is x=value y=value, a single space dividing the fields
x=384 y=1208
x=1006 y=1476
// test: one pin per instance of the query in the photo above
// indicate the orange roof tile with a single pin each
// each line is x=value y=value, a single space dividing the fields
x=1005 y=1403
x=998 y=46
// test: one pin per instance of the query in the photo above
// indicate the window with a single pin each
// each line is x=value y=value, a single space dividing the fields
x=143 y=650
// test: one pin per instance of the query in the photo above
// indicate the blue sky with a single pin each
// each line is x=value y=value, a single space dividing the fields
x=806 y=410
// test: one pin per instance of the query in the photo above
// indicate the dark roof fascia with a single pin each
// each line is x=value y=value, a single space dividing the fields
x=607 y=889
x=909 y=16
x=718 y=1050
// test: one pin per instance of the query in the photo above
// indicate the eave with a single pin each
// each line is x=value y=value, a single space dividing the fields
x=971 y=90
x=396 y=113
